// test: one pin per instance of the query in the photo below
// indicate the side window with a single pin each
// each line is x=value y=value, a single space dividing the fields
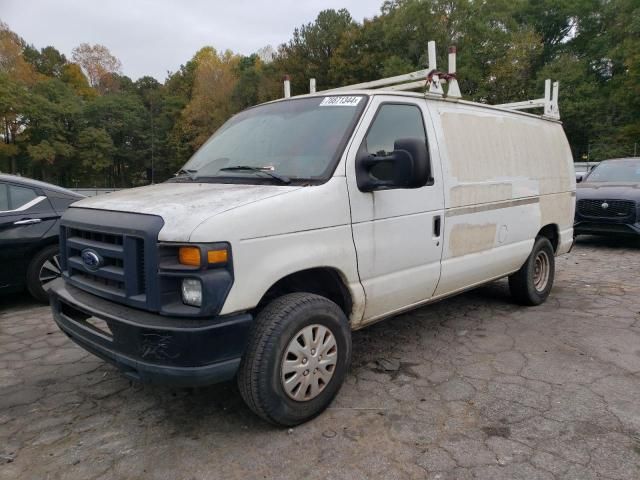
x=19 y=196
x=392 y=122
x=4 y=197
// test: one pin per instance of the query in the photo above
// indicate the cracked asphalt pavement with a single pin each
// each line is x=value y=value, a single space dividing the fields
x=472 y=387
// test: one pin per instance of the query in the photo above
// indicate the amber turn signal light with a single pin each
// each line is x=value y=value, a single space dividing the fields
x=189 y=256
x=217 y=256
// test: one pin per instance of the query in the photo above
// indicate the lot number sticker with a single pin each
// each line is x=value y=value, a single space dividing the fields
x=342 y=101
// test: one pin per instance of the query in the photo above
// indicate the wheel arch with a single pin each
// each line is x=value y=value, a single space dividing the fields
x=551 y=231
x=325 y=281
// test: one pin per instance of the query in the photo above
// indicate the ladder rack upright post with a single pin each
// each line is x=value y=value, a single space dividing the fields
x=434 y=85
x=287 y=87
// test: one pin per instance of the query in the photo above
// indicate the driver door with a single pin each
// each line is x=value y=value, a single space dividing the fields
x=397 y=233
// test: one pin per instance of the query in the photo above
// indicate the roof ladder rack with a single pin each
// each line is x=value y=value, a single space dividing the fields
x=432 y=80
x=410 y=81
x=549 y=102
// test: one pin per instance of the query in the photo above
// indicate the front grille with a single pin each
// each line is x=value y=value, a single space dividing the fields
x=618 y=209
x=126 y=248
x=120 y=273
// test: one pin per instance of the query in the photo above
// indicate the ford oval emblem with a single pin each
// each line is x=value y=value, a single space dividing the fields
x=91 y=259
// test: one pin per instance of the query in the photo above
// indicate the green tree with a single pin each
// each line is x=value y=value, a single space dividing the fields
x=123 y=117
x=257 y=82
x=95 y=150
x=13 y=99
x=309 y=53
x=47 y=61
x=53 y=114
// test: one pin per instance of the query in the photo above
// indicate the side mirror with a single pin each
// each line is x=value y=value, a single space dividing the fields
x=579 y=178
x=406 y=167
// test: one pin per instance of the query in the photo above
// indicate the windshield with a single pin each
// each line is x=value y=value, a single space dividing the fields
x=298 y=139
x=626 y=171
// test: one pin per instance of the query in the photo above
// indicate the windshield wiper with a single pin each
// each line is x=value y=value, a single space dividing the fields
x=188 y=172
x=268 y=170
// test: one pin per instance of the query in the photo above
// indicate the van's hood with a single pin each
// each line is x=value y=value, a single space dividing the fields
x=183 y=206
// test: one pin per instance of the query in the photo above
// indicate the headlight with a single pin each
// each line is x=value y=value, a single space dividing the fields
x=192 y=292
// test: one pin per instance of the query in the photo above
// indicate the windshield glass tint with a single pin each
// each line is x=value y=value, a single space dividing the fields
x=299 y=139
x=628 y=171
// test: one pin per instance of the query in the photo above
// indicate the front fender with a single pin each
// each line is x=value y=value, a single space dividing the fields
x=259 y=263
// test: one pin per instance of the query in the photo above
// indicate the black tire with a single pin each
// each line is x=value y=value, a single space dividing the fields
x=259 y=376
x=527 y=285
x=34 y=284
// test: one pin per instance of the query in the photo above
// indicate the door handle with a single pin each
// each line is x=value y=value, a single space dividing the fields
x=437 y=222
x=28 y=221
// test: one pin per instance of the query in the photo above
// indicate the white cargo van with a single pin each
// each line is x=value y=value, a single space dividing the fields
x=303 y=219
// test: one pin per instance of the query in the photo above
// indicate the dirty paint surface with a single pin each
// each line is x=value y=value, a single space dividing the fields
x=557 y=208
x=183 y=206
x=474 y=194
x=472 y=387
x=507 y=147
x=467 y=238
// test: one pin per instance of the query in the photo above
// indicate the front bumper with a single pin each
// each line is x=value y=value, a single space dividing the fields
x=149 y=347
x=594 y=227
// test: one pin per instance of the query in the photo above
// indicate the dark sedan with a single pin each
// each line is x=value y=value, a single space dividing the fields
x=608 y=199
x=29 y=216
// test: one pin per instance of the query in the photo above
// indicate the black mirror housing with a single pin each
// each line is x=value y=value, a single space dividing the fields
x=408 y=164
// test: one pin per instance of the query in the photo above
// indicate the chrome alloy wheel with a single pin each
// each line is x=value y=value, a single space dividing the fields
x=309 y=362
x=541 y=271
x=50 y=270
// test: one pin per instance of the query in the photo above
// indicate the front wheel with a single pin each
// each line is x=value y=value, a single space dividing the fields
x=532 y=284
x=296 y=360
x=43 y=269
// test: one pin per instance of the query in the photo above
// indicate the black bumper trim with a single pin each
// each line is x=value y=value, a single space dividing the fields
x=149 y=347
x=583 y=227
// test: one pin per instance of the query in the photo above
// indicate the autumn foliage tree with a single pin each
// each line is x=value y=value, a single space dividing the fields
x=214 y=79
x=97 y=62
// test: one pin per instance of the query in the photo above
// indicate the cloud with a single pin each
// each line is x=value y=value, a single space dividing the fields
x=153 y=37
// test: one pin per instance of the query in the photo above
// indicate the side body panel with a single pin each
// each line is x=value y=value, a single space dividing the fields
x=506 y=176
x=393 y=230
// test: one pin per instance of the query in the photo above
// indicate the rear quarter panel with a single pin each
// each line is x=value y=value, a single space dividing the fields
x=507 y=175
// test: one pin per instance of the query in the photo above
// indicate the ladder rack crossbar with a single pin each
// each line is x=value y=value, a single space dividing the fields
x=538 y=102
x=407 y=86
x=383 y=82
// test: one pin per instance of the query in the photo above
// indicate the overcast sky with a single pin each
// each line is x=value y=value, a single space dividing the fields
x=151 y=37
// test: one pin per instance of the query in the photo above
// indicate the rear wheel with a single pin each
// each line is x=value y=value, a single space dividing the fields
x=43 y=269
x=296 y=360
x=532 y=284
